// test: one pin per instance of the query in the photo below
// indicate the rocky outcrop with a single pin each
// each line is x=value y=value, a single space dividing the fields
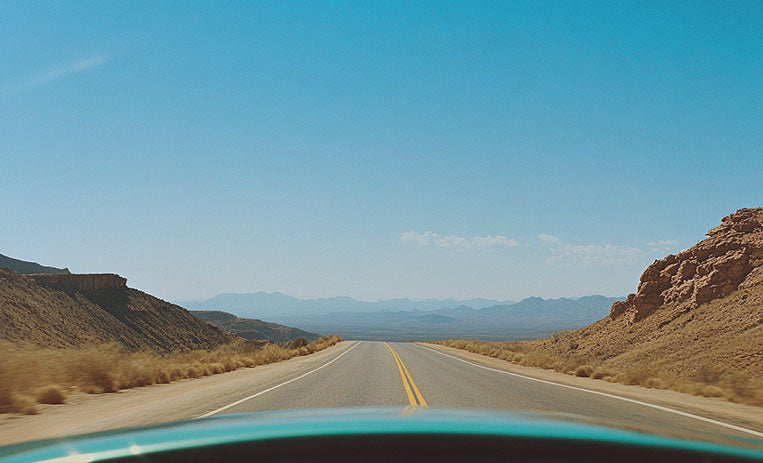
x=80 y=282
x=711 y=269
x=62 y=311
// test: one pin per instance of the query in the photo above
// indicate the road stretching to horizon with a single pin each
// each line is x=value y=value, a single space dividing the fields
x=402 y=374
x=357 y=374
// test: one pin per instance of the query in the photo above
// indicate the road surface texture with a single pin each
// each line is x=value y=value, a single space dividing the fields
x=365 y=373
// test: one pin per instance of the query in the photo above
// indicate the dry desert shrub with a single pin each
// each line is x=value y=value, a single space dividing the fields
x=711 y=391
x=742 y=387
x=299 y=342
x=457 y=343
x=654 y=383
x=601 y=373
x=24 y=404
x=51 y=394
x=637 y=375
x=32 y=374
x=570 y=364
x=538 y=359
x=584 y=371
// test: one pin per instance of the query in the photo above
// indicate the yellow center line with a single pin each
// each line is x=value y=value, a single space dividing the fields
x=406 y=377
x=416 y=391
x=408 y=392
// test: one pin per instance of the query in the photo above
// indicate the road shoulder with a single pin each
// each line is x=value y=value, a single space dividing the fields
x=747 y=416
x=186 y=399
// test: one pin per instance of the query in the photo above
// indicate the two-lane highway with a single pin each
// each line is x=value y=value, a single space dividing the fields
x=405 y=374
x=365 y=374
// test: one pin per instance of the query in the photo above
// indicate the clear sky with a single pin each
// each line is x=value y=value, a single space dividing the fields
x=375 y=149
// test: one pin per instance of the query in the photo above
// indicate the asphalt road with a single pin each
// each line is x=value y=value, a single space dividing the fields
x=370 y=375
x=355 y=374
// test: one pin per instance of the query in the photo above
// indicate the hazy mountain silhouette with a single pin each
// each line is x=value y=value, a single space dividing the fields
x=270 y=306
x=404 y=319
x=249 y=328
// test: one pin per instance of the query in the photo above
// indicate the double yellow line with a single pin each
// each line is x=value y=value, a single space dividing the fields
x=411 y=390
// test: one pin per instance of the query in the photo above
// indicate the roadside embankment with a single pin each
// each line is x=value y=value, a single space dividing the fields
x=747 y=416
x=736 y=387
x=33 y=375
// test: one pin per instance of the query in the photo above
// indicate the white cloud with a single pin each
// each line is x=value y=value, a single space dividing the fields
x=454 y=241
x=589 y=254
x=549 y=239
x=56 y=74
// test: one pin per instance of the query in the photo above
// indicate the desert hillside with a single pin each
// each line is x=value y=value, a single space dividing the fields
x=253 y=329
x=694 y=324
x=66 y=310
x=697 y=314
x=23 y=266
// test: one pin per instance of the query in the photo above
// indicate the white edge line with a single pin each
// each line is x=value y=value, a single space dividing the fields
x=604 y=394
x=277 y=385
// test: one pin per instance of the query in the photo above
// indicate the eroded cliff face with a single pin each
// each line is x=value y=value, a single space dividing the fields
x=709 y=270
x=80 y=282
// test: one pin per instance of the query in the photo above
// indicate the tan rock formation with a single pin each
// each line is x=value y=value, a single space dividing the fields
x=81 y=281
x=711 y=269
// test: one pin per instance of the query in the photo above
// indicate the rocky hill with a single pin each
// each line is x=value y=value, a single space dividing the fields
x=694 y=325
x=697 y=315
x=60 y=310
x=710 y=270
x=80 y=282
x=253 y=329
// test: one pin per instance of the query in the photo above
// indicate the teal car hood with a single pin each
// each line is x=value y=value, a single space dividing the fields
x=232 y=429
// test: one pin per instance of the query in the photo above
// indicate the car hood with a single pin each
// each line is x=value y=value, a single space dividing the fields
x=250 y=427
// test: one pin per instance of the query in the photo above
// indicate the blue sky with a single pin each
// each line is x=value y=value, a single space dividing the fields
x=375 y=150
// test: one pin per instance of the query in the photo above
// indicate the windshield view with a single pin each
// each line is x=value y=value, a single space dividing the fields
x=380 y=231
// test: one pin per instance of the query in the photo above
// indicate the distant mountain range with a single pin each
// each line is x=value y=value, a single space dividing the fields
x=404 y=319
x=270 y=306
x=249 y=328
x=392 y=319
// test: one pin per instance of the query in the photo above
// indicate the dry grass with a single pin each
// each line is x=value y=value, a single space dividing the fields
x=31 y=374
x=735 y=386
x=601 y=373
x=713 y=350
